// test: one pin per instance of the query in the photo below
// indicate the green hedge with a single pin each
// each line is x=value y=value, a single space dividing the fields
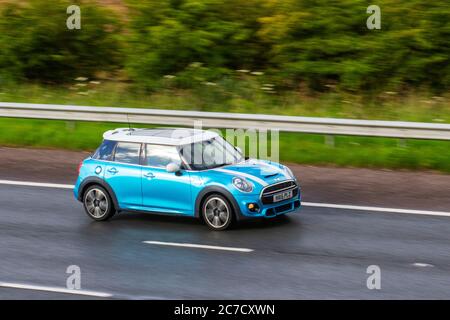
x=35 y=43
x=297 y=44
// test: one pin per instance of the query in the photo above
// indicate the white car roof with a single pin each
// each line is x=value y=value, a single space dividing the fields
x=166 y=136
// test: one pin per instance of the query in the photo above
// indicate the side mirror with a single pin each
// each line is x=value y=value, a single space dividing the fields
x=172 y=167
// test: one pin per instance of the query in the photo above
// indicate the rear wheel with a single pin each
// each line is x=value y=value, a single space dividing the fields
x=217 y=212
x=98 y=204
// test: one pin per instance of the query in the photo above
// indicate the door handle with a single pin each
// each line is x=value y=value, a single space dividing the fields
x=149 y=175
x=113 y=170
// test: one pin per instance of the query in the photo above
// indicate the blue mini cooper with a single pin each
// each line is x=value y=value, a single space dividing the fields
x=185 y=172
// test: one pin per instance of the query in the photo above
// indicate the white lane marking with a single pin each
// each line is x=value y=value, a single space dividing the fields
x=377 y=209
x=199 y=246
x=37 y=184
x=243 y=174
x=422 y=265
x=306 y=204
x=54 y=289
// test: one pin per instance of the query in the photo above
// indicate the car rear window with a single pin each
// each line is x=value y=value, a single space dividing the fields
x=127 y=152
x=105 y=151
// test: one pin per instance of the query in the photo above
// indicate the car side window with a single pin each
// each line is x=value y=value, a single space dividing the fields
x=160 y=156
x=105 y=151
x=127 y=152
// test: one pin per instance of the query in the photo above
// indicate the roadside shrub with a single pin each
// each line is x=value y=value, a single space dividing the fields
x=297 y=44
x=300 y=43
x=172 y=37
x=35 y=43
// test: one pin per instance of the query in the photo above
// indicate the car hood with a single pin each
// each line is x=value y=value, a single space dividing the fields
x=260 y=171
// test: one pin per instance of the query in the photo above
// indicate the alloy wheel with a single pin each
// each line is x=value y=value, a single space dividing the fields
x=96 y=203
x=217 y=212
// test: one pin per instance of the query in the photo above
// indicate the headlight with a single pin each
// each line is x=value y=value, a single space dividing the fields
x=242 y=184
x=289 y=171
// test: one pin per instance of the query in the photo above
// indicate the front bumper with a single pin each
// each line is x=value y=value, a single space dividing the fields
x=266 y=210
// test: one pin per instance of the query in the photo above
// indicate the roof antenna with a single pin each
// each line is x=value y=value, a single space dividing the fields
x=129 y=126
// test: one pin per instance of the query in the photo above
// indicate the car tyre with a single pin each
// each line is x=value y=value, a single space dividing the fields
x=98 y=203
x=217 y=212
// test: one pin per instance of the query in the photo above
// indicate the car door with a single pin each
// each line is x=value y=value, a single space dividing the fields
x=123 y=174
x=161 y=190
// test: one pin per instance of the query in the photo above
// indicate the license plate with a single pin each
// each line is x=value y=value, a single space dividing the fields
x=282 y=196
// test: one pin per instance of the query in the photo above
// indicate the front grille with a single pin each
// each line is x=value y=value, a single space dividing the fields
x=276 y=187
x=277 y=210
x=283 y=208
x=268 y=192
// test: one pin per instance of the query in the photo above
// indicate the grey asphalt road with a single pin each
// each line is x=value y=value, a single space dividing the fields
x=315 y=253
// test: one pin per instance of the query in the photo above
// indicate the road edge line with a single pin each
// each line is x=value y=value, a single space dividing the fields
x=376 y=209
x=54 y=289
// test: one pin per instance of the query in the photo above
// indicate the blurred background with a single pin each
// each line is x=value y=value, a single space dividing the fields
x=290 y=57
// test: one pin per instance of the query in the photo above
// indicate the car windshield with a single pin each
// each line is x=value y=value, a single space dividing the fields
x=210 y=154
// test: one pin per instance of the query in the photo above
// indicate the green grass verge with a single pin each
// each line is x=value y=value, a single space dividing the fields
x=245 y=97
x=297 y=148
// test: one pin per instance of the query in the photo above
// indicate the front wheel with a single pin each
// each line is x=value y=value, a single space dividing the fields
x=217 y=212
x=97 y=203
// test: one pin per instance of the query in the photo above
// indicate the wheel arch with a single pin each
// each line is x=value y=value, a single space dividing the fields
x=90 y=181
x=207 y=191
